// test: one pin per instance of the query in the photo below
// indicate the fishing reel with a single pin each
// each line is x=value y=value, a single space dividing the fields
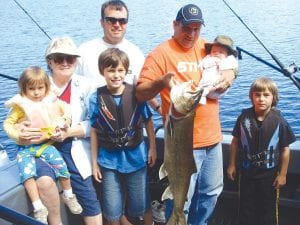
x=289 y=72
x=291 y=69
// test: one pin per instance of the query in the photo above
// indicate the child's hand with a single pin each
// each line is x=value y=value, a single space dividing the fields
x=97 y=172
x=62 y=123
x=60 y=135
x=231 y=172
x=152 y=156
x=279 y=181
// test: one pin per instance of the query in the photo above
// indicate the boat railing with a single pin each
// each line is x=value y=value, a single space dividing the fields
x=15 y=205
x=290 y=193
x=15 y=217
x=13 y=195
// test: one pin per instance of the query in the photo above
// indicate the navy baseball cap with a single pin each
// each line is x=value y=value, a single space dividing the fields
x=189 y=14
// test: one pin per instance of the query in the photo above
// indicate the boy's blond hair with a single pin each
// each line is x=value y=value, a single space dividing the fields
x=262 y=84
x=33 y=76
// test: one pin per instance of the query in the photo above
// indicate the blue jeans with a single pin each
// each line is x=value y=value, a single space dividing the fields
x=134 y=184
x=205 y=186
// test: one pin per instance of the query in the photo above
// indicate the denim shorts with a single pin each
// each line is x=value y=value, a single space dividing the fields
x=82 y=188
x=114 y=184
x=43 y=169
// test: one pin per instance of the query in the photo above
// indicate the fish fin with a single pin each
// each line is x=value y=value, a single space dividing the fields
x=167 y=194
x=162 y=172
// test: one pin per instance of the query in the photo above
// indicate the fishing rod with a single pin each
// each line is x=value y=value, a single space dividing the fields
x=36 y=23
x=287 y=71
x=8 y=77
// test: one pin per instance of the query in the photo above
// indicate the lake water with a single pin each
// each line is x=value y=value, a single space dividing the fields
x=275 y=23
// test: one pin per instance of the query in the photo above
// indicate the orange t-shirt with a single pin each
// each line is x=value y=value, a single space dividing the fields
x=170 y=57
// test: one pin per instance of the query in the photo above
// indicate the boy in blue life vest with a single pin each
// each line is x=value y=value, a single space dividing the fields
x=119 y=153
x=261 y=139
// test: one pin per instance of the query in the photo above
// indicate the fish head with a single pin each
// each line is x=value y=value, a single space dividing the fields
x=184 y=97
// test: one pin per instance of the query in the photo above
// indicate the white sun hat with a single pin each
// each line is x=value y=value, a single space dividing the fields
x=63 y=45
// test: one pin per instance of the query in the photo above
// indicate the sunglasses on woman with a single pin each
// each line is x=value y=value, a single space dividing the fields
x=59 y=59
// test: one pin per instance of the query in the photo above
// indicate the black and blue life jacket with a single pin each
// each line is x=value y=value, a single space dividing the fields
x=119 y=126
x=259 y=145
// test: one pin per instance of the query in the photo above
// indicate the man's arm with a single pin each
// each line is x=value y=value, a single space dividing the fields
x=149 y=89
x=226 y=80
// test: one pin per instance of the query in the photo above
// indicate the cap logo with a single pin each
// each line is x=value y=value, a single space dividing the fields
x=193 y=11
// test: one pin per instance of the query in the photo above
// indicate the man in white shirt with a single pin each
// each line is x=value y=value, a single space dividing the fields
x=114 y=19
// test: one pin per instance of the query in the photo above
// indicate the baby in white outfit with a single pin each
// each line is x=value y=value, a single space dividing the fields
x=221 y=56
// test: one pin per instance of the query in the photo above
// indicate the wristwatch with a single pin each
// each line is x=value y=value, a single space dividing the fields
x=157 y=107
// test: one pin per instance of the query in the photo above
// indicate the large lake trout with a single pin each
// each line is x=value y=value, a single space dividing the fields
x=178 y=153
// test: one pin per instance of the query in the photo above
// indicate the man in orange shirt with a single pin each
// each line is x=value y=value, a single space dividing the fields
x=179 y=59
